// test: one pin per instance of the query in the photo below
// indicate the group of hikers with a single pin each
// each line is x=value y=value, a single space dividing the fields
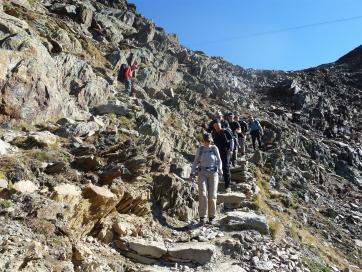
x=223 y=138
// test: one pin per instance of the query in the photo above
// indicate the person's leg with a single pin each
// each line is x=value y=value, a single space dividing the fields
x=235 y=156
x=242 y=139
x=213 y=181
x=225 y=158
x=258 y=137
x=253 y=139
x=128 y=87
x=202 y=195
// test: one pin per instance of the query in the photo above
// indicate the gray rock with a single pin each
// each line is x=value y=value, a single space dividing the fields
x=42 y=138
x=149 y=108
x=6 y=148
x=229 y=267
x=78 y=129
x=195 y=252
x=231 y=198
x=264 y=265
x=121 y=109
x=25 y=187
x=148 y=248
x=176 y=196
x=238 y=220
x=55 y=168
x=87 y=163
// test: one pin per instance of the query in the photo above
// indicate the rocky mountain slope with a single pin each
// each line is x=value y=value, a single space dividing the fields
x=92 y=180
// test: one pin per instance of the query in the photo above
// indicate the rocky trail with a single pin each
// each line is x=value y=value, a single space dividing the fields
x=93 y=180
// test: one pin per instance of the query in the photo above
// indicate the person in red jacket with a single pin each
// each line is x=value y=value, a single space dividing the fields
x=128 y=75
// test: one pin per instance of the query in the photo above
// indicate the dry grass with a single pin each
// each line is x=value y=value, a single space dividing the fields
x=281 y=222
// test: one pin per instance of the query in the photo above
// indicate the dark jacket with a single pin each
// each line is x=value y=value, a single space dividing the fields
x=223 y=140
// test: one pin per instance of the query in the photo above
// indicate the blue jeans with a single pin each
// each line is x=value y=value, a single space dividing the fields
x=128 y=87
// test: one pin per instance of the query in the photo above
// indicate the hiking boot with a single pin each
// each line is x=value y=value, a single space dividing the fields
x=211 y=221
x=202 y=220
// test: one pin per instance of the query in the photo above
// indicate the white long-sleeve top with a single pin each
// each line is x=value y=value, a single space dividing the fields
x=207 y=157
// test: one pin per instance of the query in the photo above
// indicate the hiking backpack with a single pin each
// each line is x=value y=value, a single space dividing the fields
x=121 y=72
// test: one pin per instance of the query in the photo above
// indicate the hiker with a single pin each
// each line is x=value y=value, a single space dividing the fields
x=242 y=135
x=209 y=165
x=218 y=117
x=256 y=131
x=235 y=130
x=125 y=75
x=224 y=142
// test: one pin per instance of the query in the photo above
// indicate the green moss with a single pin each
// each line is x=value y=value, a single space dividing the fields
x=33 y=2
x=126 y=123
x=49 y=155
x=4 y=204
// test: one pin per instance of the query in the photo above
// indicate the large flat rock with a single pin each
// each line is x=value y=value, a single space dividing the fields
x=151 y=249
x=231 y=198
x=6 y=148
x=238 y=220
x=195 y=252
x=25 y=187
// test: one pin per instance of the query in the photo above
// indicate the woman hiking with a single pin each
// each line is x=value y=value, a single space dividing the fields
x=208 y=165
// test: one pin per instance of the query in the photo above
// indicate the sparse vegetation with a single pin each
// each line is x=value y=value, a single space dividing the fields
x=315 y=267
x=4 y=204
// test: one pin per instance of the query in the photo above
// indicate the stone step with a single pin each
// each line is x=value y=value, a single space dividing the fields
x=238 y=220
x=148 y=252
x=231 y=198
x=197 y=252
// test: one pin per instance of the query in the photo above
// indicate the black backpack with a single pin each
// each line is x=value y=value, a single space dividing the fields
x=121 y=72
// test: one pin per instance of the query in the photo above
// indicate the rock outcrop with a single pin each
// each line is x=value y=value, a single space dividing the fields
x=93 y=180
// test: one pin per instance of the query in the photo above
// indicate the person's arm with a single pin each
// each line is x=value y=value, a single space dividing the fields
x=219 y=161
x=238 y=127
x=196 y=161
x=230 y=140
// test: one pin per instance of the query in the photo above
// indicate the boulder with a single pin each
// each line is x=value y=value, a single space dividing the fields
x=87 y=163
x=78 y=129
x=238 y=220
x=123 y=228
x=6 y=148
x=84 y=209
x=84 y=149
x=177 y=197
x=151 y=249
x=55 y=168
x=121 y=109
x=229 y=267
x=200 y=253
x=25 y=187
x=67 y=193
x=150 y=109
x=3 y=184
x=64 y=9
x=257 y=158
x=85 y=16
x=108 y=175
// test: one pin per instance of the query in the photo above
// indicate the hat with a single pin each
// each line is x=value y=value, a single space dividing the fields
x=207 y=137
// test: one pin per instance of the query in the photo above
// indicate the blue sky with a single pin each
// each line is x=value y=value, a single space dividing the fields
x=206 y=24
